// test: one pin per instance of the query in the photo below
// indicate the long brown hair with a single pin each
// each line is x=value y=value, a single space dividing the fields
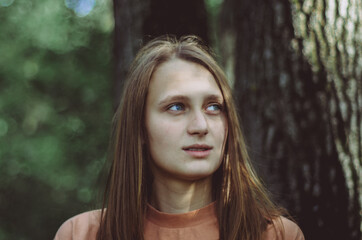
x=243 y=206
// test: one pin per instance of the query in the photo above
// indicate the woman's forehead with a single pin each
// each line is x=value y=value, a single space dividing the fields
x=179 y=77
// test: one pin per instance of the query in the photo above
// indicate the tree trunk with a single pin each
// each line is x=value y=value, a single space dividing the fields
x=178 y=18
x=292 y=117
x=128 y=16
x=138 y=21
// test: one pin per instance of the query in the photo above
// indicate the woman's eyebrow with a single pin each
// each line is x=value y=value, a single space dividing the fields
x=214 y=97
x=173 y=98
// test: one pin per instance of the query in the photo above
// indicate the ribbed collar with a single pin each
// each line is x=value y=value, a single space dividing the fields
x=181 y=220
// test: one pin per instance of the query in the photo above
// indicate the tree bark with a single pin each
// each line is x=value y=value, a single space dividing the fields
x=177 y=18
x=139 y=21
x=290 y=113
x=128 y=18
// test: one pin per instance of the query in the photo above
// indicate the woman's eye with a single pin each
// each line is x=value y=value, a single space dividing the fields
x=214 y=108
x=176 y=107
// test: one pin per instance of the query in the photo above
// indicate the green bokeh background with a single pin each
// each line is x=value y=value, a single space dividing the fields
x=55 y=113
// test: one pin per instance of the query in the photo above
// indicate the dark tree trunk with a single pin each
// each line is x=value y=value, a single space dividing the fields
x=177 y=18
x=128 y=16
x=138 y=21
x=289 y=110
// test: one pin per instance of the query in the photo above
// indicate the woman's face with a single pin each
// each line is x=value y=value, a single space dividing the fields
x=185 y=121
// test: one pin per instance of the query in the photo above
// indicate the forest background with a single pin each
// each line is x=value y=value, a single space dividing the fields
x=295 y=67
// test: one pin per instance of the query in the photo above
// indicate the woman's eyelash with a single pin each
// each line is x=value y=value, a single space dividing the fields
x=181 y=107
x=176 y=107
x=216 y=105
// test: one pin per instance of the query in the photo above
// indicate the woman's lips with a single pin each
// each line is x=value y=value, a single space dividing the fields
x=198 y=150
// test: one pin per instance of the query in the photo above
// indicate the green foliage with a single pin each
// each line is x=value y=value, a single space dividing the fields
x=55 y=112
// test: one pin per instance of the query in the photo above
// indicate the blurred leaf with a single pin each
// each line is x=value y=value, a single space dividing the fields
x=55 y=112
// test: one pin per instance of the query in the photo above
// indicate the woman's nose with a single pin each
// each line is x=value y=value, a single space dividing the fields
x=198 y=124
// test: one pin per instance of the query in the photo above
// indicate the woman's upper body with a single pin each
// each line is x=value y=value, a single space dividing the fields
x=177 y=146
x=201 y=224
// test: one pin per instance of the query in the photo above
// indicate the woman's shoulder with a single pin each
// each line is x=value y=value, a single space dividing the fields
x=82 y=226
x=282 y=226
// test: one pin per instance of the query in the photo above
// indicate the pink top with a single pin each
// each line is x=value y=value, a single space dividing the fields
x=201 y=224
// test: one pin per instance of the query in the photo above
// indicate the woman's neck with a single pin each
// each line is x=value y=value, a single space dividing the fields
x=176 y=196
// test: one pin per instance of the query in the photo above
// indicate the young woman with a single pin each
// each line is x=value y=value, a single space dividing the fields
x=180 y=169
